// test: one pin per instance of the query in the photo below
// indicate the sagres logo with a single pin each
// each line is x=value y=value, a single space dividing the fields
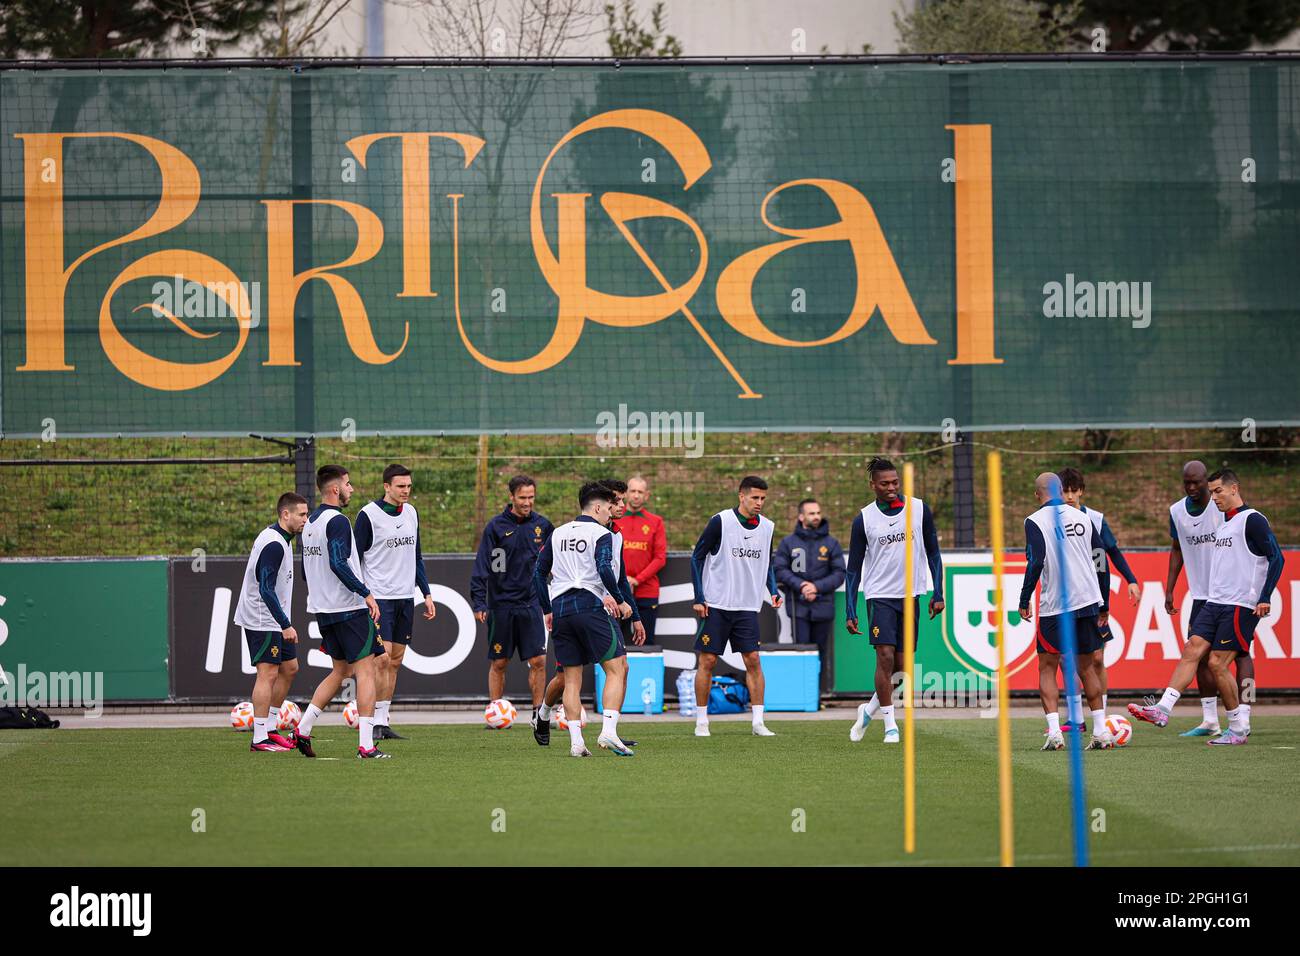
x=970 y=620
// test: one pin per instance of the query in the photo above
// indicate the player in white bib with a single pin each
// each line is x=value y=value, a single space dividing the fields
x=387 y=533
x=346 y=611
x=1193 y=523
x=1244 y=572
x=632 y=627
x=1072 y=491
x=731 y=568
x=265 y=601
x=1059 y=545
x=581 y=599
x=876 y=566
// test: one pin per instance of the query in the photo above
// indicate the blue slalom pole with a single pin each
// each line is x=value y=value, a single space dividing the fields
x=1069 y=644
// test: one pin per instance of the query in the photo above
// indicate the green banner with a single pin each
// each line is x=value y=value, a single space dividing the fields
x=844 y=246
x=93 y=630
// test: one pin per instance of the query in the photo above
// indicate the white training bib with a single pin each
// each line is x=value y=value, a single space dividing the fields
x=573 y=558
x=325 y=592
x=1079 y=572
x=251 y=613
x=1100 y=560
x=1196 y=535
x=883 y=564
x=735 y=577
x=1236 y=573
x=390 y=562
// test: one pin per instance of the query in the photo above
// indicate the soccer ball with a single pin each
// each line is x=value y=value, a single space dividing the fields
x=1120 y=729
x=289 y=716
x=351 y=714
x=500 y=714
x=241 y=717
x=564 y=724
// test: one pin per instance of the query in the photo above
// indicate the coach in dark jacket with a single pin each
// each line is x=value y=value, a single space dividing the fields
x=809 y=568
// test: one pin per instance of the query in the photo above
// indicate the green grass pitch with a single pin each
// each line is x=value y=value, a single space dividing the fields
x=127 y=797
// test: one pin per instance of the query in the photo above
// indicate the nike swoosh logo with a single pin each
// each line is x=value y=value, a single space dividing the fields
x=507 y=534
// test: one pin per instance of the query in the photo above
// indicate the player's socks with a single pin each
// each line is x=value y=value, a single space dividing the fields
x=757 y=715
x=1237 y=721
x=381 y=712
x=259 y=729
x=1210 y=711
x=308 y=720
x=1103 y=702
x=575 y=737
x=1245 y=715
x=887 y=714
x=702 y=723
x=1053 y=724
x=873 y=706
x=367 y=733
x=1099 y=722
x=544 y=712
x=1168 y=700
x=609 y=723
x=1074 y=708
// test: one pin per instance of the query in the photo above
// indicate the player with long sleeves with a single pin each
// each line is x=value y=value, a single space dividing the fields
x=387 y=533
x=1244 y=572
x=876 y=566
x=1072 y=491
x=265 y=600
x=580 y=595
x=1059 y=545
x=345 y=610
x=731 y=570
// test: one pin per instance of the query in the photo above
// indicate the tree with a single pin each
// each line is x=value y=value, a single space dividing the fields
x=1180 y=25
x=628 y=38
x=987 y=26
x=296 y=28
x=124 y=29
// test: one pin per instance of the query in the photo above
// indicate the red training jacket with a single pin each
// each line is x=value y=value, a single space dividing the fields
x=645 y=549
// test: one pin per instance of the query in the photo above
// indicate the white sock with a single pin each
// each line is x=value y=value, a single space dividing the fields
x=381 y=712
x=1053 y=723
x=1210 y=711
x=758 y=715
x=1168 y=700
x=873 y=705
x=1236 y=721
x=888 y=714
x=308 y=718
x=1098 y=722
x=575 y=735
x=544 y=712
x=1245 y=713
x=1074 y=707
x=1103 y=702
x=367 y=733
x=259 y=729
x=609 y=724
x=702 y=716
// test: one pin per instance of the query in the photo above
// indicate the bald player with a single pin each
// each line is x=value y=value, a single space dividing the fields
x=1193 y=524
x=1244 y=571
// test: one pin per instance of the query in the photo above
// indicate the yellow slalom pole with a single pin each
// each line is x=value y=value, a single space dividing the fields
x=1005 y=812
x=909 y=667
